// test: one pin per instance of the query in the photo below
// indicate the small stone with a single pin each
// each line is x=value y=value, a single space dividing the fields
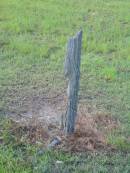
x=54 y=142
x=59 y=162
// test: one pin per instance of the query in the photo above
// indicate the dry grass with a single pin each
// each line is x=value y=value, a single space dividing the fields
x=92 y=128
x=88 y=136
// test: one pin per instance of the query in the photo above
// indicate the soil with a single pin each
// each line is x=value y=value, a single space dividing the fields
x=40 y=126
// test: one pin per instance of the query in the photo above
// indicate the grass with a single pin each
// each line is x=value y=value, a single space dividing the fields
x=33 y=36
x=23 y=157
x=99 y=163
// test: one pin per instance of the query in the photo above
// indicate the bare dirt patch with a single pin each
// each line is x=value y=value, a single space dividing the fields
x=32 y=134
x=43 y=125
x=47 y=111
x=88 y=134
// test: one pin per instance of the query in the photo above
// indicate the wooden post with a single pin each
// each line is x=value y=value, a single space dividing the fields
x=72 y=73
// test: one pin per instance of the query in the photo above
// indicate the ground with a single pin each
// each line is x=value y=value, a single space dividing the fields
x=33 y=37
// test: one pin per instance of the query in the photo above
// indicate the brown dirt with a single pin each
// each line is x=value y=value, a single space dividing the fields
x=42 y=126
x=27 y=133
x=88 y=136
x=47 y=111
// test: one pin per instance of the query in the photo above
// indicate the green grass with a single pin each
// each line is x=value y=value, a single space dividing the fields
x=33 y=37
x=30 y=159
x=22 y=157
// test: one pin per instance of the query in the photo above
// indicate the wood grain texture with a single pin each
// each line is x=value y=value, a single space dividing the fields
x=72 y=73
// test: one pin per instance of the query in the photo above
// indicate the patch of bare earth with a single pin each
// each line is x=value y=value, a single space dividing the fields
x=44 y=125
x=88 y=134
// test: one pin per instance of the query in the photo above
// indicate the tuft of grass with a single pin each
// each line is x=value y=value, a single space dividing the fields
x=120 y=142
x=108 y=73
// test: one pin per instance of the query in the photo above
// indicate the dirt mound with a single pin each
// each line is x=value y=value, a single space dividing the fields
x=83 y=141
x=27 y=133
x=88 y=137
x=90 y=134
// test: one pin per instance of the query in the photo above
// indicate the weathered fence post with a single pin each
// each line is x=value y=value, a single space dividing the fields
x=72 y=72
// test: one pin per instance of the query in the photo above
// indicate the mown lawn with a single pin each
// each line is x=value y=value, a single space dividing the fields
x=33 y=36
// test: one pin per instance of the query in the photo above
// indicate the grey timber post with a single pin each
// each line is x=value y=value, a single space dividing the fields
x=72 y=73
